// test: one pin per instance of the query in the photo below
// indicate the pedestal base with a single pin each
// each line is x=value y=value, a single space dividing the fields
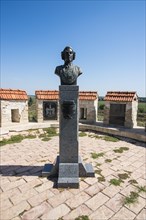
x=68 y=173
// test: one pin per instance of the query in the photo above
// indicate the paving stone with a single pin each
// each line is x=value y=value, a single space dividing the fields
x=77 y=200
x=103 y=213
x=11 y=185
x=83 y=185
x=137 y=164
x=115 y=203
x=81 y=210
x=31 y=184
x=111 y=190
x=56 y=213
x=141 y=215
x=16 y=199
x=94 y=189
x=36 y=212
x=5 y=204
x=9 y=193
x=16 y=218
x=96 y=201
x=90 y=180
x=39 y=198
x=60 y=198
x=137 y=206
x=126 y=191
x=123 y=214
x=44 y=186
x=30 y=153
x=14 y=211
x=136 y=175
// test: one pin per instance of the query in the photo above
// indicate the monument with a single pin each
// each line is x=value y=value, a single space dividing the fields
x=68 y=166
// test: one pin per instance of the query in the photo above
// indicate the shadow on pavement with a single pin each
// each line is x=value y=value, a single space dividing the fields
x=20 y=170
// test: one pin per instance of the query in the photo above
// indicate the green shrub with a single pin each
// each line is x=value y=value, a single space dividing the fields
x=51 y=132
x=82 y=134
x=12 y=140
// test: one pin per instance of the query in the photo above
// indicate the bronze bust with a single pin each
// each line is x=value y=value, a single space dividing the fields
x=68 y=73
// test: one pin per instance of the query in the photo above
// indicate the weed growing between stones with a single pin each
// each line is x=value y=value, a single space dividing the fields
x=101 y=179
x=121 y=149
x=107 y=138
x=108 y=160
x=50 y=132
x=132 y=181
x=95 y=155
x=141 y=188
x=30 y=136
x=46 y=139
x=98 y=171
x=132 y=198
x=83 y=217
x=82 y=134
x=110 y=138
x=123 y=176
x=98 y=164
x=15 y=139
x=116 y=182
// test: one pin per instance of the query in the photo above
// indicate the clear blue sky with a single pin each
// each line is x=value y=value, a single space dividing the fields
x=107 y=36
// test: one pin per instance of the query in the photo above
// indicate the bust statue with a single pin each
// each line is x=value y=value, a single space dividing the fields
x=68 y=73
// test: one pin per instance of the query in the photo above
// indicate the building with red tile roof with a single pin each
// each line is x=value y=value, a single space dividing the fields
x=121 y=108
x=13 y=107
x=121 y=96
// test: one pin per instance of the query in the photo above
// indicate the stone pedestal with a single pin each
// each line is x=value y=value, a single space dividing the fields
x=68 y=166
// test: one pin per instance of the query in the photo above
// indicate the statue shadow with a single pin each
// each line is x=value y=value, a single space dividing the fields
x=21 y=170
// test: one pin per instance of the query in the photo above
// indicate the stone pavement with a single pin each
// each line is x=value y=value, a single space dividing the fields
x=26 y=195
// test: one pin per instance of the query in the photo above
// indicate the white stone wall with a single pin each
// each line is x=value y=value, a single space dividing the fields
x=6 y=108
x=92 y=108
x=130 y=114
x=39 y=108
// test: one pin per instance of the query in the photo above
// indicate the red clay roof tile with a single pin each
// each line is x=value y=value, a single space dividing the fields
x=120 y=96
x=13 y=94
x=54 y=95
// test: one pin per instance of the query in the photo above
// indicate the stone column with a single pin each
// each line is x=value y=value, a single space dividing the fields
x=68 y=162
x=68 y=166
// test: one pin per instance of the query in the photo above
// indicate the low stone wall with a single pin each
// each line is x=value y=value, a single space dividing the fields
x=136 y=133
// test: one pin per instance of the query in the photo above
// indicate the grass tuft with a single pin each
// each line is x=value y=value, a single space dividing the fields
x=116 y=182
x=132 y=198
x=95 y=155
x=82 y=134
x=108 y=160
x=101 y=179
x=110 y=138
x=121 y=149
x=12 y=140
x=51 y=132
x=46 y=139
x=132 y=181
x=83 y=217
x=123 y=176
x=141 y=188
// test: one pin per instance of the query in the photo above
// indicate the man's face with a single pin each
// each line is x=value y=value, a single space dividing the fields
x=68 y=55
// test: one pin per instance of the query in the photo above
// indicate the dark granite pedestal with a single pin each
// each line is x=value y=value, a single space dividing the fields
x=68 y=166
